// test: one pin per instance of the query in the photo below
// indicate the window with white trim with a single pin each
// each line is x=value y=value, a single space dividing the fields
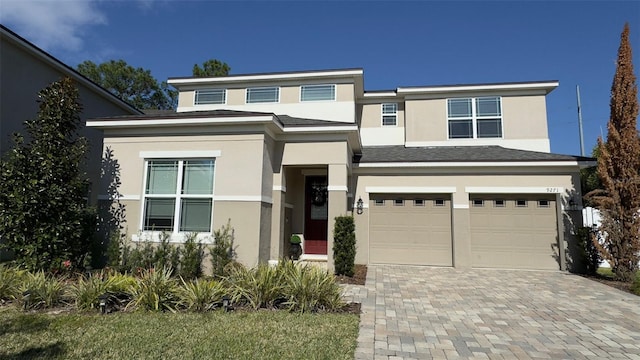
x=211 y=96
x=317 y=92
x=178 y=195
x=263 y=95
x=475 y=118
x=389 y=114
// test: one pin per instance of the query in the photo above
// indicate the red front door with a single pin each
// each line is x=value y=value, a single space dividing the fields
x=316 y=211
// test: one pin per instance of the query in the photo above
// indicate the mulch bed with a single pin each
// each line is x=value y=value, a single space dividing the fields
x=620 y=285
x=359 y=276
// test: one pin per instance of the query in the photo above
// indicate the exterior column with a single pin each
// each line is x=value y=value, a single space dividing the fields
x=277 y=216
x=461 y=230
x=337 y=188
x=561 y=219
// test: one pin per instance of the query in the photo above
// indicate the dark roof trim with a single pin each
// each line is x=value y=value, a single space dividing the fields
x=271 y=73
x=467 y=154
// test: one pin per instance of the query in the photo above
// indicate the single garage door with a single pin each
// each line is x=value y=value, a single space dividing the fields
x=410 y=229
x=514 y=231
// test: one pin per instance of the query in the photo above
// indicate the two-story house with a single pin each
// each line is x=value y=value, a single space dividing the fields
x=436 y=175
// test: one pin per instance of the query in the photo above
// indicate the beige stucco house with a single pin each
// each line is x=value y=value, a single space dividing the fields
x=456 y=175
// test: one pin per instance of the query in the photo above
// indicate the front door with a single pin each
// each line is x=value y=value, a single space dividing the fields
x=316 y=212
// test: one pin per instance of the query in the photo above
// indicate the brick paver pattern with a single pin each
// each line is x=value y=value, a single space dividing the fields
x=445 y=313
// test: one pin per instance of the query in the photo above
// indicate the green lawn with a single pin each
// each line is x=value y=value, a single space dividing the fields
x=214 y=335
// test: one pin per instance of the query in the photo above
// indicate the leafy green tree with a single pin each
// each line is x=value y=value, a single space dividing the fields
x=211 y=68
x=619 y=171
x=134 y=85
x=44 y=216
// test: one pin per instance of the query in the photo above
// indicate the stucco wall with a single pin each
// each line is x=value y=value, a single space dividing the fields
x=23 y=76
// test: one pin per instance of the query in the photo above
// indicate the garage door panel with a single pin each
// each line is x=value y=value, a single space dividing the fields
x=514 y=236
x=411 y=233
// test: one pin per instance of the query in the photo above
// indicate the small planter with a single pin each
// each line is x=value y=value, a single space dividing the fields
x=295 y=250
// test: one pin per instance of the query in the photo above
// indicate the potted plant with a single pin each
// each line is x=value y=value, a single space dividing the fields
x=296 y=249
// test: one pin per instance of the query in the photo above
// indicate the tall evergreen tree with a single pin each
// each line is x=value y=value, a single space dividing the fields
x=619 y=170
x=211 y=68
x=44 y=216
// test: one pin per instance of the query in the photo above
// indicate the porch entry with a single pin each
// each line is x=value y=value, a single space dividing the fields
x=316 y=212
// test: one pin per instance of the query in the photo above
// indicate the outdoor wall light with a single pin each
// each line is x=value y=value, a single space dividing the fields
x=103 y=303
x=359 y=206
x=226 y=303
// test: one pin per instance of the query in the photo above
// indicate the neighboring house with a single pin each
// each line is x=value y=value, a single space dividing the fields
x=24 y=71
x=437 y=175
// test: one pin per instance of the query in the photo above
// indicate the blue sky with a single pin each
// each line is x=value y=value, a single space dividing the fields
x=400 y=43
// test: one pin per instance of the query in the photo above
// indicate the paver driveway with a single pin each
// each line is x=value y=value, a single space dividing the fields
x=444 y=313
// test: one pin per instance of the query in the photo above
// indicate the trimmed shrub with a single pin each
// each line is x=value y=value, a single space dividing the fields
x=200 y=294
x=635 y=286
x=192 y=256
x=155 y=290
x=222 y=252
x=45 y=291
x=344 y=245
x=587 y=250
x=10 y=280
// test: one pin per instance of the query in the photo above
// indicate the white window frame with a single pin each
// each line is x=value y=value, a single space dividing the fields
x=195 y=97
x=388 y=114
x=474 y=118
x=335 y=92
x=176 y=234
x=247 y=91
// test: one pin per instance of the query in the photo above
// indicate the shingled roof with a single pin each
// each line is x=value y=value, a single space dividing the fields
x=283 y=120
x=382 y=154
x=287 y=121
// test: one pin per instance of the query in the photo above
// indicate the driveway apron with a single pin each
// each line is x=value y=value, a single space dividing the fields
x=445 y=313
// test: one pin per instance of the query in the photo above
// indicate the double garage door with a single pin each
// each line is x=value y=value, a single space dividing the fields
x=510 y=231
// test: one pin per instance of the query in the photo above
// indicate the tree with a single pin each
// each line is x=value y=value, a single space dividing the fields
x=211 y=68
x=589 y=180
x=135 y=86
x=619 y=170
x=44 y=216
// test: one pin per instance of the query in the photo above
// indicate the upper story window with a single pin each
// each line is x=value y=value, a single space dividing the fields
x=178 y=195
x=213 y=96
x=389 y=114
x=263 y=95
x=317 y=92
x=472 y=118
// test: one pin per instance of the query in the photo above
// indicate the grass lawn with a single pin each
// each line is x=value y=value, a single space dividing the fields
x=213 y=335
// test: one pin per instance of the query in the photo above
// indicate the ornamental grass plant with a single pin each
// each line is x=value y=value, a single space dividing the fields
x=43 y=291
x=200 y=294
x=10 y=280
x=155 y=290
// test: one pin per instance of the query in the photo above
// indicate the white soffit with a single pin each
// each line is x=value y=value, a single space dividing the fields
x=177 y=121
x=550 y=85
x=465 y=164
